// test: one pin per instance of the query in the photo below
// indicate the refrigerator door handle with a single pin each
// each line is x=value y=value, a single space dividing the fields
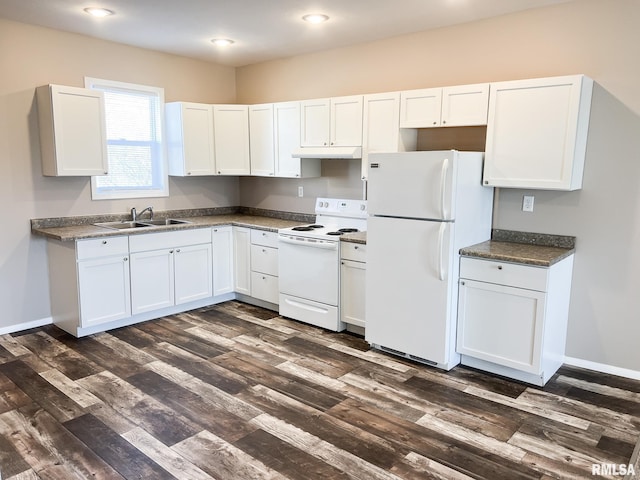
x=443 y=188
x=441 y=272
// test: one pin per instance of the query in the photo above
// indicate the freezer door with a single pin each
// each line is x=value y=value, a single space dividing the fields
x=408 y=287
x=413 y=184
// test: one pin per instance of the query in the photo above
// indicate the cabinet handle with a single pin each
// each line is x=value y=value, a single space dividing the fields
x=499 y=267
x=444 y=122
x=104 y=242
x=170 y=251
x=341 y=263
x=264 y=251
x=178 y=250
x=125 y=259
x=355 y=248
x=462 y=283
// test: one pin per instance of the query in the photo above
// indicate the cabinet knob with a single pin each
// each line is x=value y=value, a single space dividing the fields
x=341 y=263
x=125 y=259
x=188 y=173
x=178 y=250
x=444 y=121
x=461 y=283
x=170 y=251
x=435 y=123
x=104 y=242
x=355 y=248
x=499 y=267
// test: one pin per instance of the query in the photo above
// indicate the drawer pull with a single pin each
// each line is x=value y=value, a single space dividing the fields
x=355 y=248
x=499 y=267
x=104 y=242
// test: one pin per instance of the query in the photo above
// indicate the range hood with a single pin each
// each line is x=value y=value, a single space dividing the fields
x=327 y=152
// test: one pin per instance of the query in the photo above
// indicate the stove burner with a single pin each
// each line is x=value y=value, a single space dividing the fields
x=335 y=233
x=316 y=226
x=348 y=230
x=302 y=229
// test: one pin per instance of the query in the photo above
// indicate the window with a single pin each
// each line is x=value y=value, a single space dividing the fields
x=137 y=166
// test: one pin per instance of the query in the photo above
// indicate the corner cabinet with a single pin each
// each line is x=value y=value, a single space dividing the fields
x=231 y=134
x=512 y=318
x=73 y=138
x=190 y=139
x=537 y=133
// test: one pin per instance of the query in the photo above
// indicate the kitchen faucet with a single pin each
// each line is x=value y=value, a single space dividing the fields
x=135 y=214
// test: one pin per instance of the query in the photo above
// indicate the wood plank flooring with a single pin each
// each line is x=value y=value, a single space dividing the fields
x=234 y=391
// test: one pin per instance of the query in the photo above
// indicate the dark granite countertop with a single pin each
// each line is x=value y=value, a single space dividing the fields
x=68 y=229
x=523 y=247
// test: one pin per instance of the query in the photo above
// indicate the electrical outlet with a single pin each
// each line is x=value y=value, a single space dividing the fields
x=300 y=192
x=527 y=203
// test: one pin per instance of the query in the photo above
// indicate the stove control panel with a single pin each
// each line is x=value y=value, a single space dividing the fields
x=341 y=207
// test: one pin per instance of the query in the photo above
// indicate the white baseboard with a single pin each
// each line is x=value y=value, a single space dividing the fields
x=26 y=325
x=602 y=367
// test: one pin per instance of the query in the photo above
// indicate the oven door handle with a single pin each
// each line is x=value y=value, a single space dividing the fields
x=305 y=243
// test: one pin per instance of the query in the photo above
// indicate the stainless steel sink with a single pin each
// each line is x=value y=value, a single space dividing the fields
x=123 y=225
x=165 y=221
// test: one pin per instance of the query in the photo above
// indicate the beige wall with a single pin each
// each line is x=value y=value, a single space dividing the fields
x=32 y=56
x=593 y=37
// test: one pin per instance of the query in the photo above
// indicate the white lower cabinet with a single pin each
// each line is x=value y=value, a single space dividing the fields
x=170 y=268
x=242 y=260
x=353 y=269
x=222 y=240
x=264 y=265
x=512 y=318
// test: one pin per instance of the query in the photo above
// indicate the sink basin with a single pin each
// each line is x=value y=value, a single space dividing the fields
x=141 y=223
x=164 y=221
x=122 y=225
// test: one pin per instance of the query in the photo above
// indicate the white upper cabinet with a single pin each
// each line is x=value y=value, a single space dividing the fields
x=286 y=121
x=381 y=127
x=537 y=133
x=73 y=138
x=190 y=139
x=231 y=139
x=335 y=122
x=261 y=140
x=463 y=105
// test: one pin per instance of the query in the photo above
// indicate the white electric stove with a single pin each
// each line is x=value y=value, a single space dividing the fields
x=309 y=262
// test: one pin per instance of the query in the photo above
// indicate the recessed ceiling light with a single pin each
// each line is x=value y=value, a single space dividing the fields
x=222 y=42
x=99 y=12
x=315 y=18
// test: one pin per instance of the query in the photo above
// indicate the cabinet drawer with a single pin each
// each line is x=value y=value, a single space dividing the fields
x=353 y=251
x=156 y=241
x=264 y=259
x=504 y=273
x=263 y=237
x=264 y=287
x=102 y=247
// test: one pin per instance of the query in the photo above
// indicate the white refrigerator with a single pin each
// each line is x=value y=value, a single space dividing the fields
x=423 y=207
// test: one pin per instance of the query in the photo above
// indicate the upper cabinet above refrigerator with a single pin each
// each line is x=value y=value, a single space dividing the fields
x=537 y=133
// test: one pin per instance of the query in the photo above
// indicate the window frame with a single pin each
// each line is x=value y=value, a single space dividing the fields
x=159 y=168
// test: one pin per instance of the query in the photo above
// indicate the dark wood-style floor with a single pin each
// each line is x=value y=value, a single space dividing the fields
x=236 y=392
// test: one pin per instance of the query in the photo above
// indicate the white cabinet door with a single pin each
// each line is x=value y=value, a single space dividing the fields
x=465 y=105
x=420 y=108
x=462 y=105
x=190 y=139
x=537 y=133
x=193 y=273
x=346 y=121
x=315 y=122
x=352 y=292
x=261 y=140
x=286 y=119
x=222 y=239
x=242 y=260
x=104 y=290
x=73 y=138
x=501 y=324
x=152 y=280
x=231 y=133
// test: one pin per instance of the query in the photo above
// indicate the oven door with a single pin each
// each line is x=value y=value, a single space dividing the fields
x=309 y=268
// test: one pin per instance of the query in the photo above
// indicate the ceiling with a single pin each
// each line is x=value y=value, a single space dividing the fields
x=262 y=29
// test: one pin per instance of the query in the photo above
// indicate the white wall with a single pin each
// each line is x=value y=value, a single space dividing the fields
x=594 y=37
x=32 y=56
